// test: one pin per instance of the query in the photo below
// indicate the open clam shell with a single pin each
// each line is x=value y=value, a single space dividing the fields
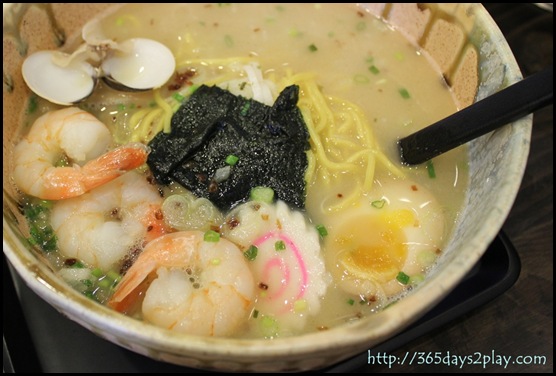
x=133 y=65
x=63 y=84
x=138 y=64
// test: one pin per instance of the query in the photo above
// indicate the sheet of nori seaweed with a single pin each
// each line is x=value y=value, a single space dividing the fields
x=270 y=142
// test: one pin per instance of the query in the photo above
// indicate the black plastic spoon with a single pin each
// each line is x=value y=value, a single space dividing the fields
x=507 y=105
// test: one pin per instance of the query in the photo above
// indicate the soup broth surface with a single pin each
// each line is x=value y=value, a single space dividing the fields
x=386 y=223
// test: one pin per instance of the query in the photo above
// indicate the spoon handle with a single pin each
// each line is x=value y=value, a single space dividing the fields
x=505 y=106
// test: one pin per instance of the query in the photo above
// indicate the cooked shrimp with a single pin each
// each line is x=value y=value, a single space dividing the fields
x=82 y=138
x=288 y=266
x=101 y=226
x=202 y=287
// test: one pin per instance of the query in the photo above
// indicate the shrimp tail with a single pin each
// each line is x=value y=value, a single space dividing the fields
x=113 y=164
x=128 y=290
x=121 y=159
x=65 y=182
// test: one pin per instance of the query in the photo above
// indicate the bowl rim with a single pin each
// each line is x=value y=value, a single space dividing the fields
x=393 y=320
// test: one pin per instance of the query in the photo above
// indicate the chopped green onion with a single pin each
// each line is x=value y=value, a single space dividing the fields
x=426 y=258
x=300 y=305
x=37 y=210
x=178 y=97
x=379 y=204
x=313 y=48
x=231 y=159
x=430 y=169
x=322 y=231
x=90 y=294
x=114 y=276
x=351 y=302
x=402 y=278
x=263 y=194
x=45 y=238
x=105 y=283
x=62 y=162
x=404 y=93
x=374 y=69
x=32 y=240
x=228 y=40
x=32 y=105
x=50 y=244
x=361 y=79
x=211 y=236
x=251 y=253
x=416 y=279
x=399 y=56
x=37 y=213
x=293 y=32
x=269 y=326
x=47 y=204
x=102 y=285
x=97 y=272
x=255 y=314
x=121 y=107
x=77 y=265
x=32 y=212
x=215 y=261
x=245 y=107
x=280 y=245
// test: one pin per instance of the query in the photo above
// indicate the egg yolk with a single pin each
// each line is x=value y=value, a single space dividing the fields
x=375 y=246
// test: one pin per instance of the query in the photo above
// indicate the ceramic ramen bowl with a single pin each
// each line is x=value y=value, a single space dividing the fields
x=476 y=61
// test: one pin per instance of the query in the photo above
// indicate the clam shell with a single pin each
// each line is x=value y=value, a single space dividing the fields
x=61 y=84
x=139 y=64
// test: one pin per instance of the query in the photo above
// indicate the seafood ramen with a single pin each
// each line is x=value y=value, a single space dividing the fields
x=232 y=169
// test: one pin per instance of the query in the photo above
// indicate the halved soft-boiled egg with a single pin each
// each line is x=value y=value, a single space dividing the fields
x=386 y=242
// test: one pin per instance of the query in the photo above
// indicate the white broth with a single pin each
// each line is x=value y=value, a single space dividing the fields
x=362 y=87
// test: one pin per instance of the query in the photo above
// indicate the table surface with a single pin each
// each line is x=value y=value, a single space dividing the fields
x=519 y=323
